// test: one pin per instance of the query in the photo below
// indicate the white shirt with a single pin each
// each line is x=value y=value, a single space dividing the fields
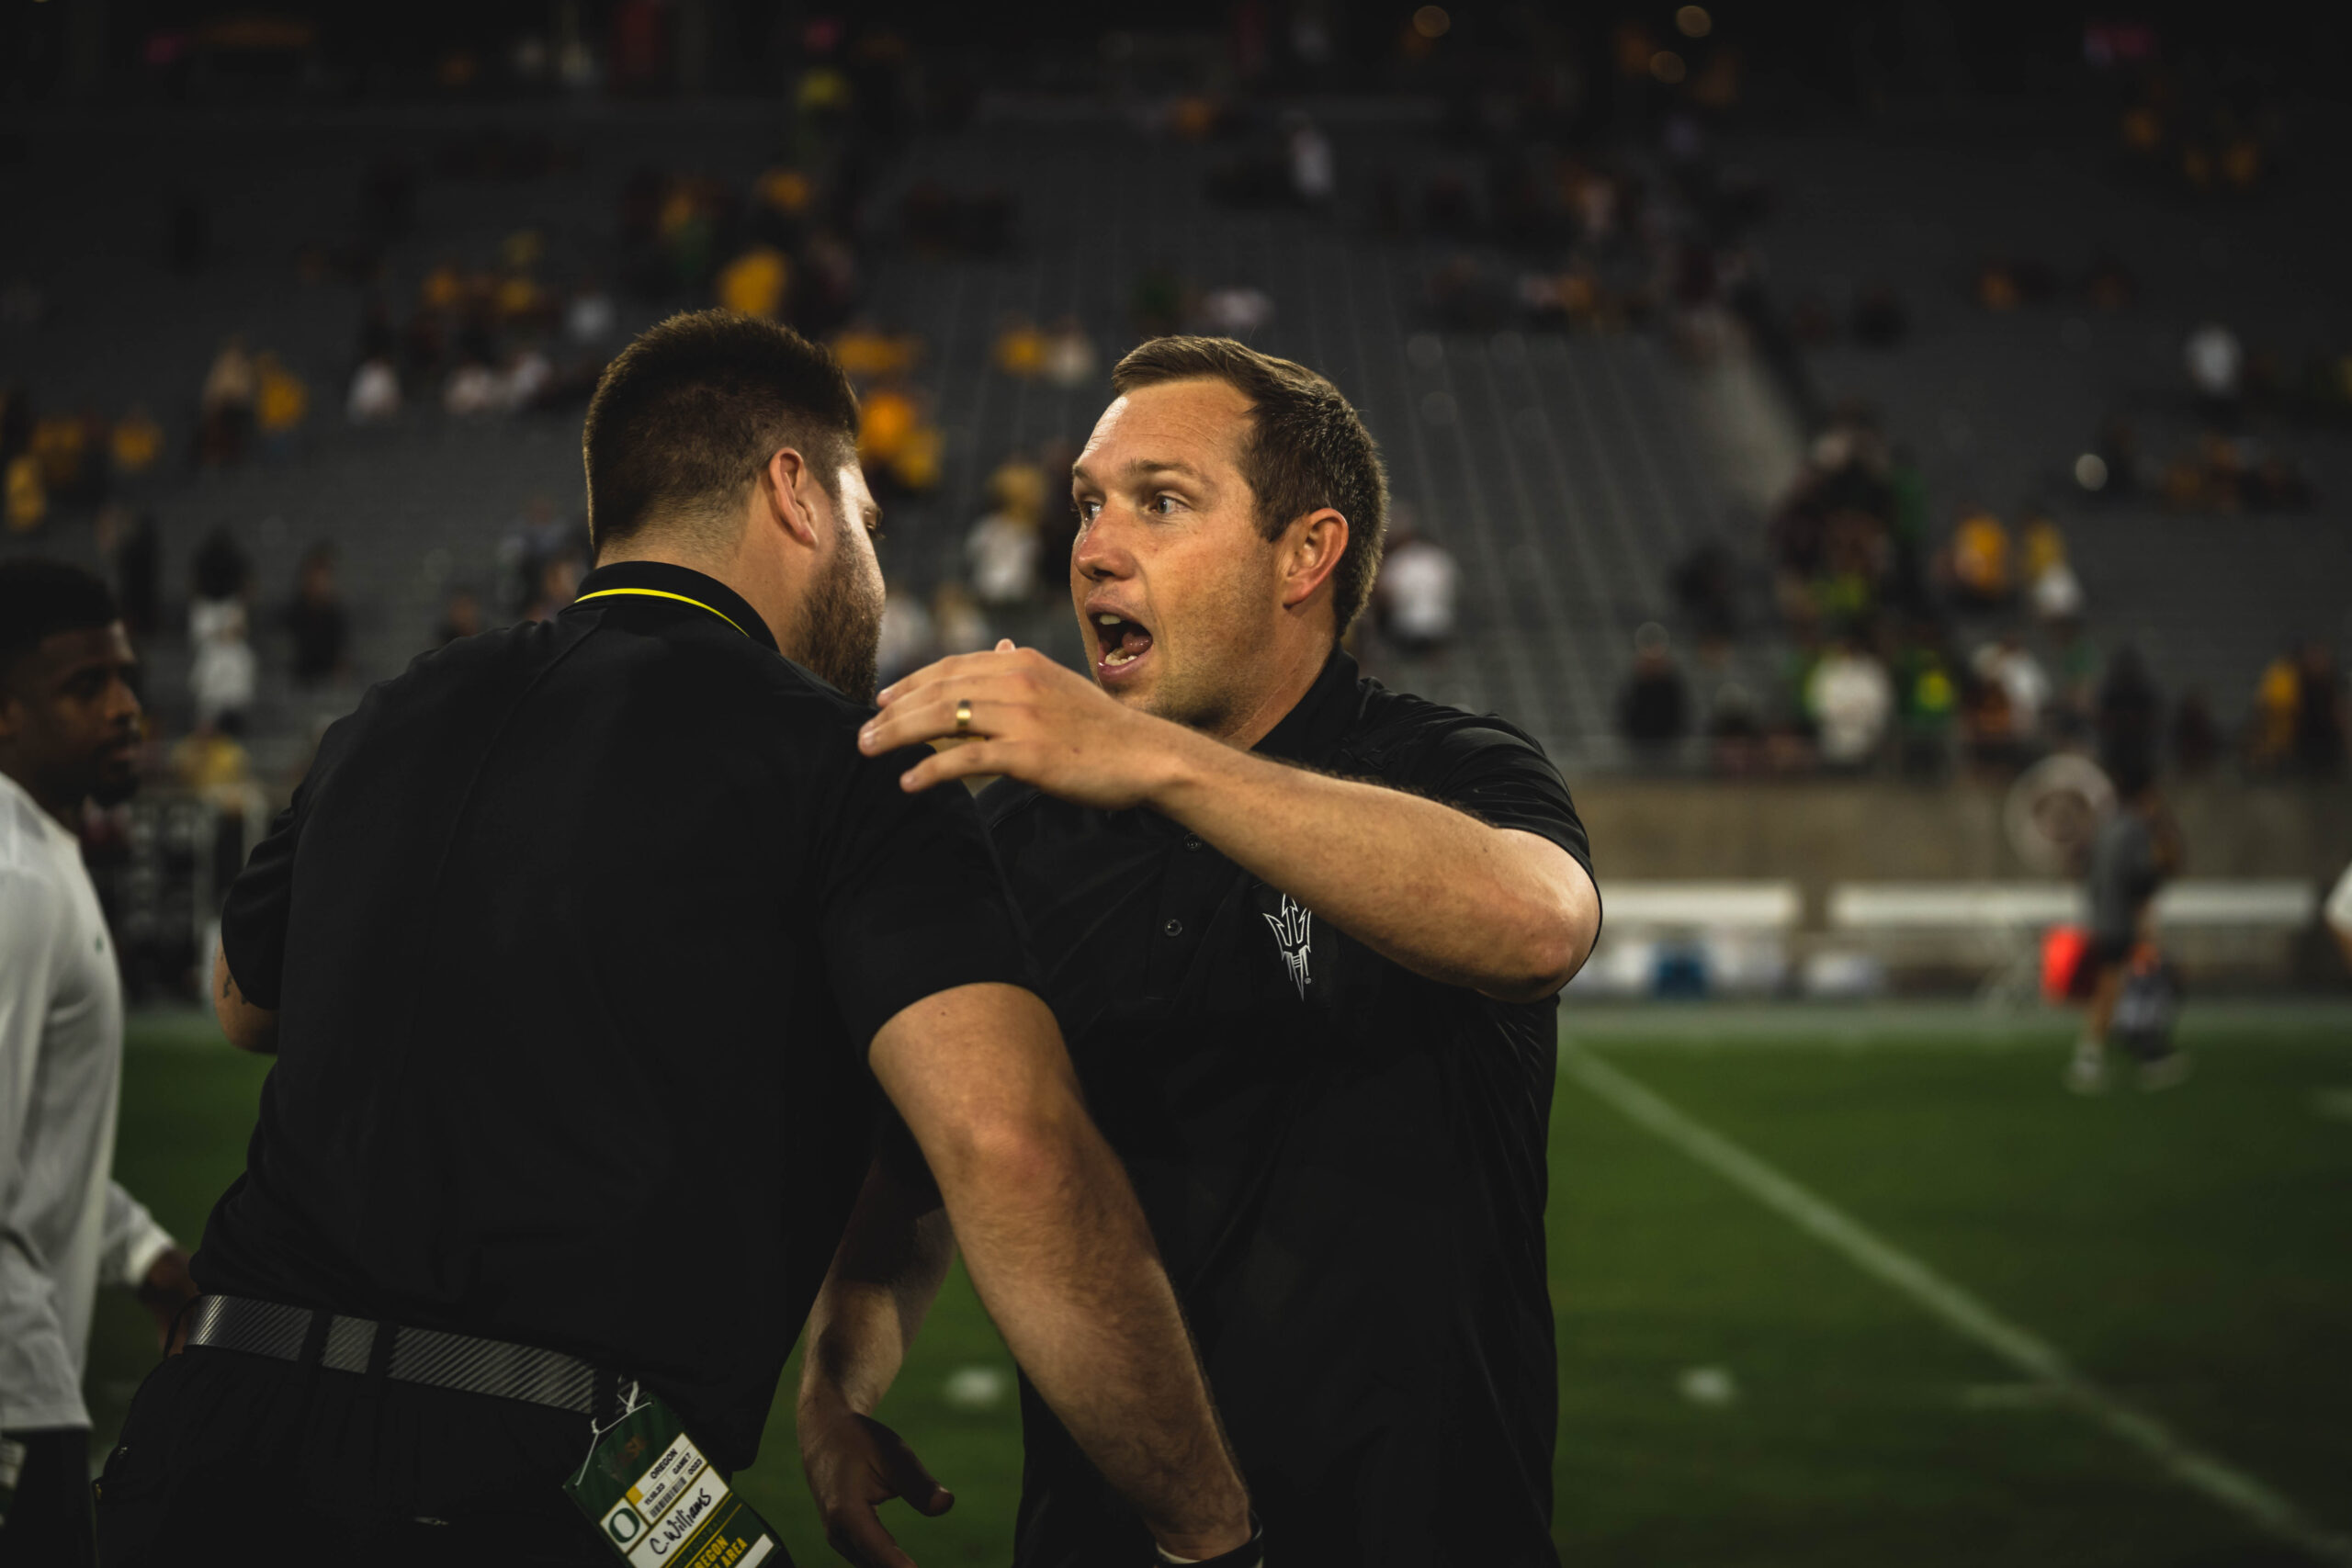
x=221 y=673
x=1852 y=699
x=1001 y=555
x=63 y=1223
x=1421 y=585
x=2338 y=912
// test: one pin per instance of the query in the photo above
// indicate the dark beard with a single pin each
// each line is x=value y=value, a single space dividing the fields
x=841 y=628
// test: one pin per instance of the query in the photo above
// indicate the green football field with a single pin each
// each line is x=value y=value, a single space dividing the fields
x=1834 y=1286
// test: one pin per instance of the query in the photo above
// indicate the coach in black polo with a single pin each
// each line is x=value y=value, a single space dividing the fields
x=1305 y=936
x=589 y=950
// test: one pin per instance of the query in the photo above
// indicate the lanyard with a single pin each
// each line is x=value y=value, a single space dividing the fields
x=657 y=593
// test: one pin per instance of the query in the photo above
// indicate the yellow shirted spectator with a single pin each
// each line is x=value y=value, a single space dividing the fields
x=868 y=355
x=283 y=400
x=61 y=445
x=886 y=420
x=518 y=296
x=1980 y=556
x=786 y=190
x=1021 y=349
x=136 y=442
x=754 y=284
x=28 y=499
x=2278 y=700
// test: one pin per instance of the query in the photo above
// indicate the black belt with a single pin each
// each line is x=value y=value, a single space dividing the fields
x=427 y=1356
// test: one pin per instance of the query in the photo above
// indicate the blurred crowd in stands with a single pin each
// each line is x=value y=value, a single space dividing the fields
x=1560 y=193
x=1914 y=651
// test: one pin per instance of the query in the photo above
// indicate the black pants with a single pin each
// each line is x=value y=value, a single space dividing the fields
x=48 y=1523
x=311 y=1466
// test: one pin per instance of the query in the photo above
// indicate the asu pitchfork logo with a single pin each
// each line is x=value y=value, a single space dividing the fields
x=1295 y=933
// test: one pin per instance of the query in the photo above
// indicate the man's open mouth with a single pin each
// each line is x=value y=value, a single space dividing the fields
x=1119 y=642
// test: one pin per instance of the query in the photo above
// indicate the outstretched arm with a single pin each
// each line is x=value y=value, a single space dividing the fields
x=1502 y=911
x=1060 y=1254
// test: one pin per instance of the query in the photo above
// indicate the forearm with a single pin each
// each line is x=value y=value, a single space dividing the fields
x=1426 y=885
x=1063 y=1259
x=884 y=1278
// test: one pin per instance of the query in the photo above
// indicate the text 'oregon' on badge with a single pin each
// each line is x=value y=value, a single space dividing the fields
x=655 y=1500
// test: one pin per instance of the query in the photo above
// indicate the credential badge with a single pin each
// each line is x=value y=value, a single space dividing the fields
x=1294 y=935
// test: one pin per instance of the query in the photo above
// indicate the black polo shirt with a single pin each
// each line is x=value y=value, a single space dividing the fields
x=578 y=933
x=1343 y=1162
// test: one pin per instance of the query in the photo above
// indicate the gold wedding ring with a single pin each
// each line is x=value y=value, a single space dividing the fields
x=963 y=733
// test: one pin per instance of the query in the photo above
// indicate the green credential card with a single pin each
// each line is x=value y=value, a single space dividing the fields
x=651 y=1495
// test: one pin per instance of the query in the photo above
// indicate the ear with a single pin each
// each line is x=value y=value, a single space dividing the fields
x=1311 y=551
x=787 y=490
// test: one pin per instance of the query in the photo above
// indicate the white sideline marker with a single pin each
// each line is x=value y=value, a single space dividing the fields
x=2222 y=1482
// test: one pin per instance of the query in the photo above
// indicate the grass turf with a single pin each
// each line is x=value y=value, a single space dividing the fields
x=2191 y=1252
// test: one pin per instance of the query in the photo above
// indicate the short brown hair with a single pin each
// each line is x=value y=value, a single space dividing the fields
x=687 y=416
x=1307 y=448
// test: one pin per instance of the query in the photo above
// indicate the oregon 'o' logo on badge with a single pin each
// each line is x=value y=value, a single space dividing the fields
x=623 y=1524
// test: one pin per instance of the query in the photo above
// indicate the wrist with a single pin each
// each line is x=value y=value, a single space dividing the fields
x=828 y=1398
x=1214 y=1551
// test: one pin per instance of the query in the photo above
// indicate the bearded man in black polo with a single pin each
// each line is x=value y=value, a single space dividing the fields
x=1305 y=938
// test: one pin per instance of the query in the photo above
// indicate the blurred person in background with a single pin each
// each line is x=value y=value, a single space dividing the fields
x=1316 y=1014
x=223 y=670
x=2052 y=587
x=225 y=406
x=211 y=763
x=908 y=639
x=1000 y=552
x=26 y=499
x=317 y=622
x=2009 y=665
x=375 y=395
x=957 y=623
x=128 y=541
x=2131 y=992
x=2319 y=711
x=1980 y=562
x=135 y=443
x=69 y=737
x=1417 y=600
x=2215 y=360
x=1851 y=699
x=2277 y=713
x=1068 y=358
x=281 y=402
x=1654 y=706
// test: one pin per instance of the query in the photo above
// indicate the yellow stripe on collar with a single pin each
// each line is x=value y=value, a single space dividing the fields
x=657 y=593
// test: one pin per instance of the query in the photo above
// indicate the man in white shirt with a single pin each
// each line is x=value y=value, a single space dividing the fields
x=1852 y=699
x=69 y=729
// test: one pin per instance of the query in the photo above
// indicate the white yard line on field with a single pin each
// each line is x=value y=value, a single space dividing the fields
x=2222 y=1482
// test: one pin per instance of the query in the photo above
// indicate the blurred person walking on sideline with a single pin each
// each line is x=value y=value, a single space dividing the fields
x=599 y=966
x=69 y=734
x=1306 y=937
x=2135 y=852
